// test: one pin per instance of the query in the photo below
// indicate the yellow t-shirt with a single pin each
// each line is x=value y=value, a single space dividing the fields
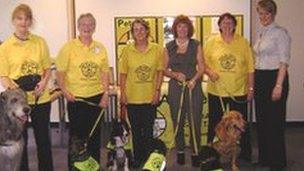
x=19 y=58
x=233 y=62
x=82 y=66
x=141 y=69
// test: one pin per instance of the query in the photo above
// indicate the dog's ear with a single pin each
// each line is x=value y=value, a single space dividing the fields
x=2 y=102
x=220 y=129
x=4 y=119
x=126 y=125
x=112 y=141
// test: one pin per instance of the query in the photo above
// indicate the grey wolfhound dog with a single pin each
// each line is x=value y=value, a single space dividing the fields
x=14 y=111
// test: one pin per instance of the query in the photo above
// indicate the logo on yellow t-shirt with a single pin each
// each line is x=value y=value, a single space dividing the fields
x=143 y=73
x=89 y=69
x=29 y=67
x=227 y=61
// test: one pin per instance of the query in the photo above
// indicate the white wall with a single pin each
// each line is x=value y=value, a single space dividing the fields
x=106 y=10
x=50 y=20
x=290 y=16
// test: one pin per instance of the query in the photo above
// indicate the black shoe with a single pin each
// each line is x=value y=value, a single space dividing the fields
x=195 y=161
x=260 y=164
x=135 y=164
x=180 y=157
x=276 y=168
x=246 y=158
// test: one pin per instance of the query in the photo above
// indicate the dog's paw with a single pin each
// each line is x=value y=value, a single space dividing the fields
x=235 y=168
x=112 y=168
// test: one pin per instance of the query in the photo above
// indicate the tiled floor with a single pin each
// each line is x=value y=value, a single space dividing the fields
x=294 y=139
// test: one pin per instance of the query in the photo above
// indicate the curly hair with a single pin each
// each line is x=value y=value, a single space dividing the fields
x=185 y=20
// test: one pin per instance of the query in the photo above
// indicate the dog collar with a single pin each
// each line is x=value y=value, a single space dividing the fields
x=10 y=144
x=5 y=145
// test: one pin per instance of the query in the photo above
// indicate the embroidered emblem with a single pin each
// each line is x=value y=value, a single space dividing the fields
x=89 y=69
x=143 y=73
x=227 y=61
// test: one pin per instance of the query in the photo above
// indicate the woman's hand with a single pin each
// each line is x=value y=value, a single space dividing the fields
x=40 y=87
x=69 y=96
x=213 y=76
x=7 y=83
x=123 y=98
x=156 y=96
x=104 y=101
x=250 y=95
x=191 y=84
x=276 y=93
x=180 y=76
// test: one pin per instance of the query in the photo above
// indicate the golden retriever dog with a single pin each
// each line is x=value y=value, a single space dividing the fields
x=14 y=111
x=228 y=131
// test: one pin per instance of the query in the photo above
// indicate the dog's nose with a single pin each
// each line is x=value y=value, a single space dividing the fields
x=27 y=110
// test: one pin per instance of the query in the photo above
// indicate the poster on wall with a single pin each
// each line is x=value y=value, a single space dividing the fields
x=209 y=26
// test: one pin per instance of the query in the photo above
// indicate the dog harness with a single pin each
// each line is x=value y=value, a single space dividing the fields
x=155 y=162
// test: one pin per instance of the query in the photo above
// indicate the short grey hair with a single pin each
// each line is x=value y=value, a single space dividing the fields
x=86 y=15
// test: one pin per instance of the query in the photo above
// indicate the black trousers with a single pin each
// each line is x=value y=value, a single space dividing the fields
x=141 y=117
x=270 y=117
x=40 y=116
x=82 y=117
x=216 y=113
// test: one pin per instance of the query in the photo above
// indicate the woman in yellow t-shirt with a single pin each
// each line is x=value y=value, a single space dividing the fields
x=82 y=73
x=23 y=54
x=141 y=69
x=229 y=65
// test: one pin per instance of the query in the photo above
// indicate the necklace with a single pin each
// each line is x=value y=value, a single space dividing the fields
x=182 y=44
x=21 y=38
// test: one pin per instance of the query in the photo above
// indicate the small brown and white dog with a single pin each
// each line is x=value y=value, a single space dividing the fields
x=14 y=112
x=228 y=132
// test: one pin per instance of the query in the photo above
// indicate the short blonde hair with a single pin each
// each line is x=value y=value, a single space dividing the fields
x=23 y=9
x=268 y=5
x=86 y=15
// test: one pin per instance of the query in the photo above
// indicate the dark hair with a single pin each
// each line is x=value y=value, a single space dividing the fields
x=268 y=5
x=183 y=19
x=229 y=16
x=141 y=22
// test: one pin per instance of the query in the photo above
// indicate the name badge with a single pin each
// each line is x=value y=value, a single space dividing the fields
x=96 y=50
